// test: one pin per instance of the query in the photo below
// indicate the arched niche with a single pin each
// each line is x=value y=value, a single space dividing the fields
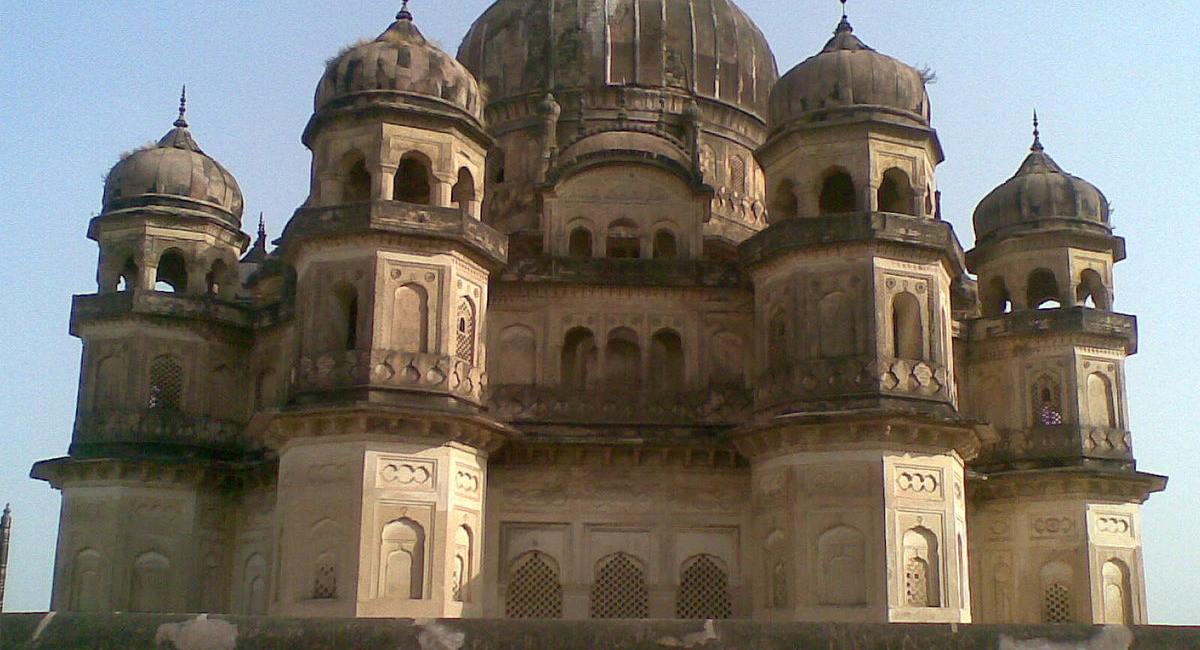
x=149 y=585
x=89 y=582
x=413 y=182
x=402 y=559
x=908 y=328
x=922 y=566
x=622 y=359
x=356 y=180
x=837 y=194
x=666 y=361
x=895 y=192
x=172 y=273
x=841 y=567
x=514 y=359
x=1042 y=290
x=1092 y=292
x=579 y=359
x=410 y=319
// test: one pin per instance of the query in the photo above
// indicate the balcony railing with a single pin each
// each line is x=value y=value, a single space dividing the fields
x=104 y=429
x=391 y=369
x=716 y=406
x=1062 y=442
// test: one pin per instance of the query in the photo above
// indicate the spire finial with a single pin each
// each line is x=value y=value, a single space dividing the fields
x=404 y=13
x=182 y=121
x=1037 y=135
x=844 y=26
x=262 y=228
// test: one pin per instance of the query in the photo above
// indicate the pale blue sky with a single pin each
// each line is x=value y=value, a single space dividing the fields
x=1115 y=84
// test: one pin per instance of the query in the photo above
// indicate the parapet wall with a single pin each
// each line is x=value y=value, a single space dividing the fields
x=192 y=632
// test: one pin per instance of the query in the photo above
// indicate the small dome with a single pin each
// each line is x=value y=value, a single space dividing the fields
x=1041 y=194
x=846 y=74
x=703 y=48
x=399 y=67
x=172 y=170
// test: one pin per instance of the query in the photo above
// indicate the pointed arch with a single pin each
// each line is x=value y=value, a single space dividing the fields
x=150 y=583
x=534 y=588
x=172 y=272
x=838 y=193
x=703 y=591
x=461 y=570
x=463 y=192
x=579 y=359
x=402 y=559
x=619 y=588
x=1118 y=610
x=464 y=330
x=1100 y=403
x=413 y=180
x=895 y=192
x=908 y=328
x=922 y=581
x=1042 y=290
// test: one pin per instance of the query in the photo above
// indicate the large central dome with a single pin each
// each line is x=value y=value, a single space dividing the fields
x=706 y=48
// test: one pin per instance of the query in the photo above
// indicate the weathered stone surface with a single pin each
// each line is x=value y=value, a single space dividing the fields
x=179 y=632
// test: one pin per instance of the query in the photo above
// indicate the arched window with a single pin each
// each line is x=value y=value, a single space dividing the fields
x=465 y=330
x=410 y=319
x=666 y=362
x=1056 y=579
x=357 y=184
x=703 y=589
x=836 y=327
x=495 y=164
x=908 y=332
x=995 y=298
x=402 y=558
x=895 y=192
x=325 y=577
x=534 y=589
x=623 y=359
x=785 y=205
x=580 y=243
x=776 y=568
x=665 y=247
x=1043 y=290
x=254 y=577
x=345 y=322
x=166 y=383
x=737 y=174
x=464 y=542
x=1047 y=401
x=1100 y=401
x=150 y=583
x=128 y=279
x=841 y=578
x=463 y=192
x=1092 y=292
x=88 y=578
x=921 y=563
x=514 y=360
x=412 y=183
x=579 y=358
x=623 y=241
x=216 y=278
x=619 y=588
x=1117 y=608
x=172 y=272
x=837 y=193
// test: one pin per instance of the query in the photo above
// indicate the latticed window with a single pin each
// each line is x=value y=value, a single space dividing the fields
x=465 y=348
x=916 y=583
x=619 y=590
x=703 y=590
x=1056 y=604
x=166 y=383
x=1047 y=400
x=534 y=590
x=325 y=579
x=737 y=174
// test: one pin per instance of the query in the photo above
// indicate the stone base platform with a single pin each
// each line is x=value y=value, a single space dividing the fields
x=203 y=632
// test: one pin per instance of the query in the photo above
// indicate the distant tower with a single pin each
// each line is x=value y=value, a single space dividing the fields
x=1056 y=523
x=857 y=450
x=161 y=394
x=383 y=457
x=5 y=536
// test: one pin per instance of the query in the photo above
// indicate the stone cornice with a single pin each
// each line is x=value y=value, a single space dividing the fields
x=623 y=272
x=398 y=219
x=1043 y=234
x=278 y=427
x=816 y=432
x=1056 y=482
x=614 y=453
x=1080 y=325
x=160 y=307
x=815 y=233
x=396 y=107
x=142 y=472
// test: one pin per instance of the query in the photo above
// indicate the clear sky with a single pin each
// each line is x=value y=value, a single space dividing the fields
x=1115 y=83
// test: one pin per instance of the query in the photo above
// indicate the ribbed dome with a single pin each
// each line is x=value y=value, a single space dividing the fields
x=708 y=48
x=1041 y=194
x=175 y=168
x=848 y=75
x=399 y=67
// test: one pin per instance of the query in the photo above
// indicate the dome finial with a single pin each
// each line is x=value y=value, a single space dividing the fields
x=262 y=229
x=404 y=13
x=1037 y=135
x=182 y=121
x=844 y=26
